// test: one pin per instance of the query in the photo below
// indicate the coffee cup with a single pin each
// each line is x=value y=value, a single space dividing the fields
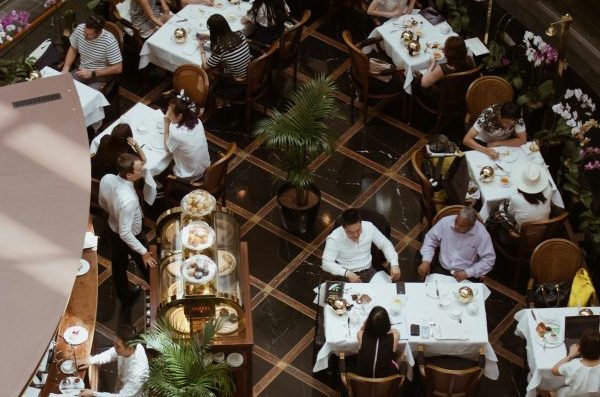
x=505 y=180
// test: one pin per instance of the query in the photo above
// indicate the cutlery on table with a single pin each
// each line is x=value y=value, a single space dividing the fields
x=533 y=315
x=348 y=326
x=437 y=290
x=500 y=168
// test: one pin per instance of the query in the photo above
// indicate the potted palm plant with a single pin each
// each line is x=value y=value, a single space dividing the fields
x=181 y=367
x=299 y=134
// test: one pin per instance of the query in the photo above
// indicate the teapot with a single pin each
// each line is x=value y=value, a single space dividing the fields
x=339 y=306
x=486 y=174
x=180 y=35
x=406 y=35
x=465 y=294
x=413 y=47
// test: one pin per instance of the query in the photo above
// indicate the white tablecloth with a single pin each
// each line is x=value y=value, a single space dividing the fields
x=493 y=193
x=394 y=47
x=92 y=101
x=147 y=127
x=161 y=48
x=420 y=306
x=542 y=360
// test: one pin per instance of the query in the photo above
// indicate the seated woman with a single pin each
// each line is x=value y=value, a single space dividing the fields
x=147 y=17
x=390 y=8
x=268 y=17
x=184 y=138
x=498 y=125
x=209 y=3
x=531 y=202
x=457 y=60
x=111 y=146
x=582 y=375
x=377 y=346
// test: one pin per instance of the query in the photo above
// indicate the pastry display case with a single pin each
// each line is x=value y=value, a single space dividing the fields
x=203 y=273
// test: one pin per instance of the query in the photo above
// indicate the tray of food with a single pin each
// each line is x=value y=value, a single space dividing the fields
x=198 y=202
x=197 y=236
x=199 y=269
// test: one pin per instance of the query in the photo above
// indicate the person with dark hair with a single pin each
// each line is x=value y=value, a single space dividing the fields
x=132 y=364
x=119 y=199
x=99 y=53
x=185 y=140
x=268 y=18
x=457 y=60
x=581 y=367
x=498 y=125
x=377 y=343
x=147 y=16
x=348 y=249
x=111 y=146
x=531 y=202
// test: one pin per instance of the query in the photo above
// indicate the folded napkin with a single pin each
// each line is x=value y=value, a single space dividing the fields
x=451 y=331
x=90 y=241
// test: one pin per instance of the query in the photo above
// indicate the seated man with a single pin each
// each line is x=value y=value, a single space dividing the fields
x=132 y=365
x=466 y=249
x=99 y=53
x=498 y=125
x=348 y=249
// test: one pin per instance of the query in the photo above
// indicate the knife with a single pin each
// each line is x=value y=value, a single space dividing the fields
x=500 y=168
x=437 y=291
x=533 y=314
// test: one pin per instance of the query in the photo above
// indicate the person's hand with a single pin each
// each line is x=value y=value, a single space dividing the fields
x=460 y=275
x=132 y=142
x=423 y=270
x=352 y=277
x=84 y=74
x=149 y=261
x=492 y=153
x=574 y=351
x=209 y=3
x=83 y=363
x=395 y=273
x=86 y=393
x=65 y=69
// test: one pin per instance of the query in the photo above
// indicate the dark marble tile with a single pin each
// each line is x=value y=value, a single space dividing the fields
x=497 y=306
x=278 y=327
x=327 y=216
x=344 y=84
x=340 y=121
x=268 y=253
x=398 y=203
x=408 y=172
x=381 y=142
x=287 y=385
x=228 y=124
x=141 y=83
x=251 y=187
x=514 y=343
x=254 y=290
x=344 y=178
x=110 y=313
x=268 y=155
x=318 y=57
x=510 y=383
x=259 y=368
x=300 y=283
x=305 y=362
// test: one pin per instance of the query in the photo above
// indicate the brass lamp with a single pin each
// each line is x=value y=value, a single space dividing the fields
x=565 y=23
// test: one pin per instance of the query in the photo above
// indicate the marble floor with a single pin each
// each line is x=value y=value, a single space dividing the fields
x=370 y=168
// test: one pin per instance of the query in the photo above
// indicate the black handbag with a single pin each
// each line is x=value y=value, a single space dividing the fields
x=552 y=294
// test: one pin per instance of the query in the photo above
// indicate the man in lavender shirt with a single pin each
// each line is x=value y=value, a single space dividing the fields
x=466 y=249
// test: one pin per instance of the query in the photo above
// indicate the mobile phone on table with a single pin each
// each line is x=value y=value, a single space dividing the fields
x=415 y=330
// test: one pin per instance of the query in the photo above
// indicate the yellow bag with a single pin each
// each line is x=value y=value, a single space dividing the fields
x=581 y=289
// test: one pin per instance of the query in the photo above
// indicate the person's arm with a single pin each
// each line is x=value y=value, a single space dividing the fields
x=132 y=386
x=487 y=256
x=69 y=59
x=431 y=242
x=518 y=140
x=396 y=336
x=434 y=73
x=105 y=357
x=166 y=126
x=125 y=223
x=137 y=148
x=359 y=336
x=374 y=10
x=573 y=352
x=165 y=7
x=469 y=141
x=148 y=11
x=329 y=256
x=409 y=8
x=385 y=245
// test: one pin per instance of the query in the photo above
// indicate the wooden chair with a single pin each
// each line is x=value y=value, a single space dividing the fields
x=194 y=81
x=484 y=92
x=361 y=76
x=450 y=95
x=428 y=202
x=554 y=260
x=360 y=386
x=450 y=210
x=531 y=234
x=213 y=180
x=255 y=85
x=289 y=48
x=132 y=32
x=450 y=376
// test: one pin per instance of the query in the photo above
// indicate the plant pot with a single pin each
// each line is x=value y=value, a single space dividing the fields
x=298 y=220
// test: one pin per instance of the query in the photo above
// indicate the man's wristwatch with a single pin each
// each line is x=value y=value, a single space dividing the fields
x=93 y=74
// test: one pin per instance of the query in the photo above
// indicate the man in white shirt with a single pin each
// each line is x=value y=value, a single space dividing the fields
x=131 y=361
x=119 y=199
x=348 y=249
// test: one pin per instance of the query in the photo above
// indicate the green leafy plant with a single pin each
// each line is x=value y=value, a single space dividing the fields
x=299 y=133
x=15 y=70
x=180 y=369
x=458 y=14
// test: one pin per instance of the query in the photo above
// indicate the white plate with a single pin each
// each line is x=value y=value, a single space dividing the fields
x=235 y=359
x=84 y=267
x=548 y=341
x=71 y=389
x=76 y=335
x=65 y=365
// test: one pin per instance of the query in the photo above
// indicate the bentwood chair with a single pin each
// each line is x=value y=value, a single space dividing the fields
x=195 y=83
x=289 y=48
x=360 y=386
x=449 y=376
x=213 y=180
x=428 y=202
x=484 y=92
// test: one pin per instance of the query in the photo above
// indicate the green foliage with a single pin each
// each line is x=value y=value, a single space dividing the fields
x=179 y=369
x=458 y=14
x=494 y=59
x=536 y=96
x=299 y=134
x=15 y=70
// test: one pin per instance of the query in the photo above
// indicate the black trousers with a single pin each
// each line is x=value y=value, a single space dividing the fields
x=120 y=262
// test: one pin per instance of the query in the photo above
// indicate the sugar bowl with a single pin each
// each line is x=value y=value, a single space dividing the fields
x=406 y=35
x=413 y=47
x=180 y=35
x=465 y=294
x=486 y=174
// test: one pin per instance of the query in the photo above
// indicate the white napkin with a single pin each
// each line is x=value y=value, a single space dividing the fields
x=90 y=241
x=451 y=331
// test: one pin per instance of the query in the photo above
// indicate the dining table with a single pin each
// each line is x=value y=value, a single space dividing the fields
x=147 y=126
x=162 y=50
x=432 y=39
x=511 y=161
x=541 y=354
x=457 y=329
x=92 y=101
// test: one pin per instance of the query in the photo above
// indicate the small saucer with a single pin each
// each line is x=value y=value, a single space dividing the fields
x=68 y=364
x=84 y=267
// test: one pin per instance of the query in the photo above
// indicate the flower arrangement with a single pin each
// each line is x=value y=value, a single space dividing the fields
x=4 y=37
x=14 y=21
x=50 y=3
x=538 y=51
x=540 y=55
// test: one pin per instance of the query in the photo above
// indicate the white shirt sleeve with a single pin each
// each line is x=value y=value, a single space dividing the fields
x=125 y=223
x=384 y=244
x=105 y=357
x=330 y=253
x=132 y=386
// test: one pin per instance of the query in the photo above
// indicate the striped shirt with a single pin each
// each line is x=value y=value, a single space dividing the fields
x=236 y=59
x=99 y=53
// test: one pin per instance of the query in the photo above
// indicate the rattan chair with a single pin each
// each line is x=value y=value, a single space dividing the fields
x=448 y=376
x=486 y=91
x=427 y=200
x=360 y=386
x=194 y=81
x=289 y=48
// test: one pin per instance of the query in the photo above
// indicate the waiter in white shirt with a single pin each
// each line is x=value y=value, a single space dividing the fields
x=132 y=363
x=119 y=198
x=348 y=249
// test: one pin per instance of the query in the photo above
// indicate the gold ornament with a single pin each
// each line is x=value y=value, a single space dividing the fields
x=180 y=35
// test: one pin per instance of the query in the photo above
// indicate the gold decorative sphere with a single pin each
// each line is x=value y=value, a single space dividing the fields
x=180 y=35
x=339 y=306
x=406 y=35
x=465 y=294
x=413 y=47
x=586 y=312
x=486 y=174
